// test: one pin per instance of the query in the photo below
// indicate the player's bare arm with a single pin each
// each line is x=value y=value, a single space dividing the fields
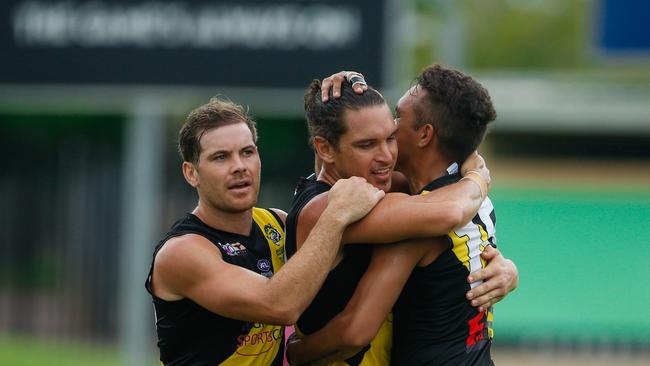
x=400 y=216
x=377 y=292
x=189 y=266
x=375 y=295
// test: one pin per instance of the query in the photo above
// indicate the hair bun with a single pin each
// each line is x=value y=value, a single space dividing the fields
x=313 y=93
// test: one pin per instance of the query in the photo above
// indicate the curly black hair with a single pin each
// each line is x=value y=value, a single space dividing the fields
x=457 y=106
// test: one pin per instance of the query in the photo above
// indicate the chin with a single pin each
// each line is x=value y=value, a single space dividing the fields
x=239 y=208
x=240 y=205
x=383 y=185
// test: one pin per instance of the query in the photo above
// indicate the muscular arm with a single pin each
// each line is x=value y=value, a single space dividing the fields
x=373 y=299
x=191 y=267
x=399 y=216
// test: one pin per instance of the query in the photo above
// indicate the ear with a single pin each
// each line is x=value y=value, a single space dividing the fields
x=191 y=174
x=426 y=133
x=324 y=150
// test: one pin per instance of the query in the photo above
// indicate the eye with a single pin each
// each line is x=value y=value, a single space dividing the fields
x=219 y=157
x=391 y=137
x=248 y=152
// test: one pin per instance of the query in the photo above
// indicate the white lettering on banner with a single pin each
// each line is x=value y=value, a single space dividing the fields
x=175 y=25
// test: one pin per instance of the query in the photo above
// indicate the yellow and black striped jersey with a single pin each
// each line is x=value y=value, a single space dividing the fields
x=339 y=285
x=188 y=334
x=433 y=321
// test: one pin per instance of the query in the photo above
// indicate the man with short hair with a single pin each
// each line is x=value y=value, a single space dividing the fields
x=441 y=120
x=220 y=288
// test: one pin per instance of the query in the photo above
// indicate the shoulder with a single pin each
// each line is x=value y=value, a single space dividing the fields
x=281 y=215
x=185 y=251
x=181 y=262
x=313 y=209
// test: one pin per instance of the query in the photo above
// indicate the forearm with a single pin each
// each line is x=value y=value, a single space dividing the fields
x=399 y=217
x=283 y=297
x=461 y=201
x=357 y=325
x=325 y=344
x=289 y=286
x=470 y=203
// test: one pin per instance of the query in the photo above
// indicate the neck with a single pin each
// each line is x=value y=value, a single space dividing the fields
x=427 y=168
x=232 y=222
x=328 y=174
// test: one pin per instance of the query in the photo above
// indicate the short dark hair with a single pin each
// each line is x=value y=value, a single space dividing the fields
x=326 y=119
x=217 y=112
x=457 y=106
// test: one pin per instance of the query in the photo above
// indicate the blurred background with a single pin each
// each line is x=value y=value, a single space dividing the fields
x=92 y=94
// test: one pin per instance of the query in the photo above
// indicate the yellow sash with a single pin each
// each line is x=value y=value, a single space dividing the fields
x=262 y=343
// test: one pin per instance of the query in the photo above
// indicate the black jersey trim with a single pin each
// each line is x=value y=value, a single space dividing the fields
x=445 y=180
x=277 y=217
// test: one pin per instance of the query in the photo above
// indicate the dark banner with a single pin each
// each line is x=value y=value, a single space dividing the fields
x=198 y=42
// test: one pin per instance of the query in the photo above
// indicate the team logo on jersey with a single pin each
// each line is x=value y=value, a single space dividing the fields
x=272 y=234
x=264 y=265
x=233 y=249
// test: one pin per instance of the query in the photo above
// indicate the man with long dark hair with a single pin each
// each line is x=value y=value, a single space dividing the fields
x=442 y=120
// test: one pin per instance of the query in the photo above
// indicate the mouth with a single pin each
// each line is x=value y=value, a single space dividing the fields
x=381 y=173
x=240 y=186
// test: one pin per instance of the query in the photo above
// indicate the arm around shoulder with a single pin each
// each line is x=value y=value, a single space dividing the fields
x=400 y=216
x=358 y=324
x=190 y=266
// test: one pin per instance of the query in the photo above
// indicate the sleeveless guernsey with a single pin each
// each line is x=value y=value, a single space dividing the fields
x=189 y=334
x=339 y=285
x=434 y=324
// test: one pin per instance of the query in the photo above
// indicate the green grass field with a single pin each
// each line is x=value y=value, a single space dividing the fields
x=582 y=258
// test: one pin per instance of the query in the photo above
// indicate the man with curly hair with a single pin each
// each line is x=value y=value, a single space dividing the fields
x=442 y=120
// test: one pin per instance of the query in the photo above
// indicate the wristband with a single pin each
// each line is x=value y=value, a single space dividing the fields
x=477 y=178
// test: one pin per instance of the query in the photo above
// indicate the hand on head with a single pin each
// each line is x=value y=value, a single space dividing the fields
x=335 y=81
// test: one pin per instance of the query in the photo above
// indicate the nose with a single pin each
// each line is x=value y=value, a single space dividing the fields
x=238 y=165
x=385 y=153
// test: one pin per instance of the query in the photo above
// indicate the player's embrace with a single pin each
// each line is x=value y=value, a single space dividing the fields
x=220 y=288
